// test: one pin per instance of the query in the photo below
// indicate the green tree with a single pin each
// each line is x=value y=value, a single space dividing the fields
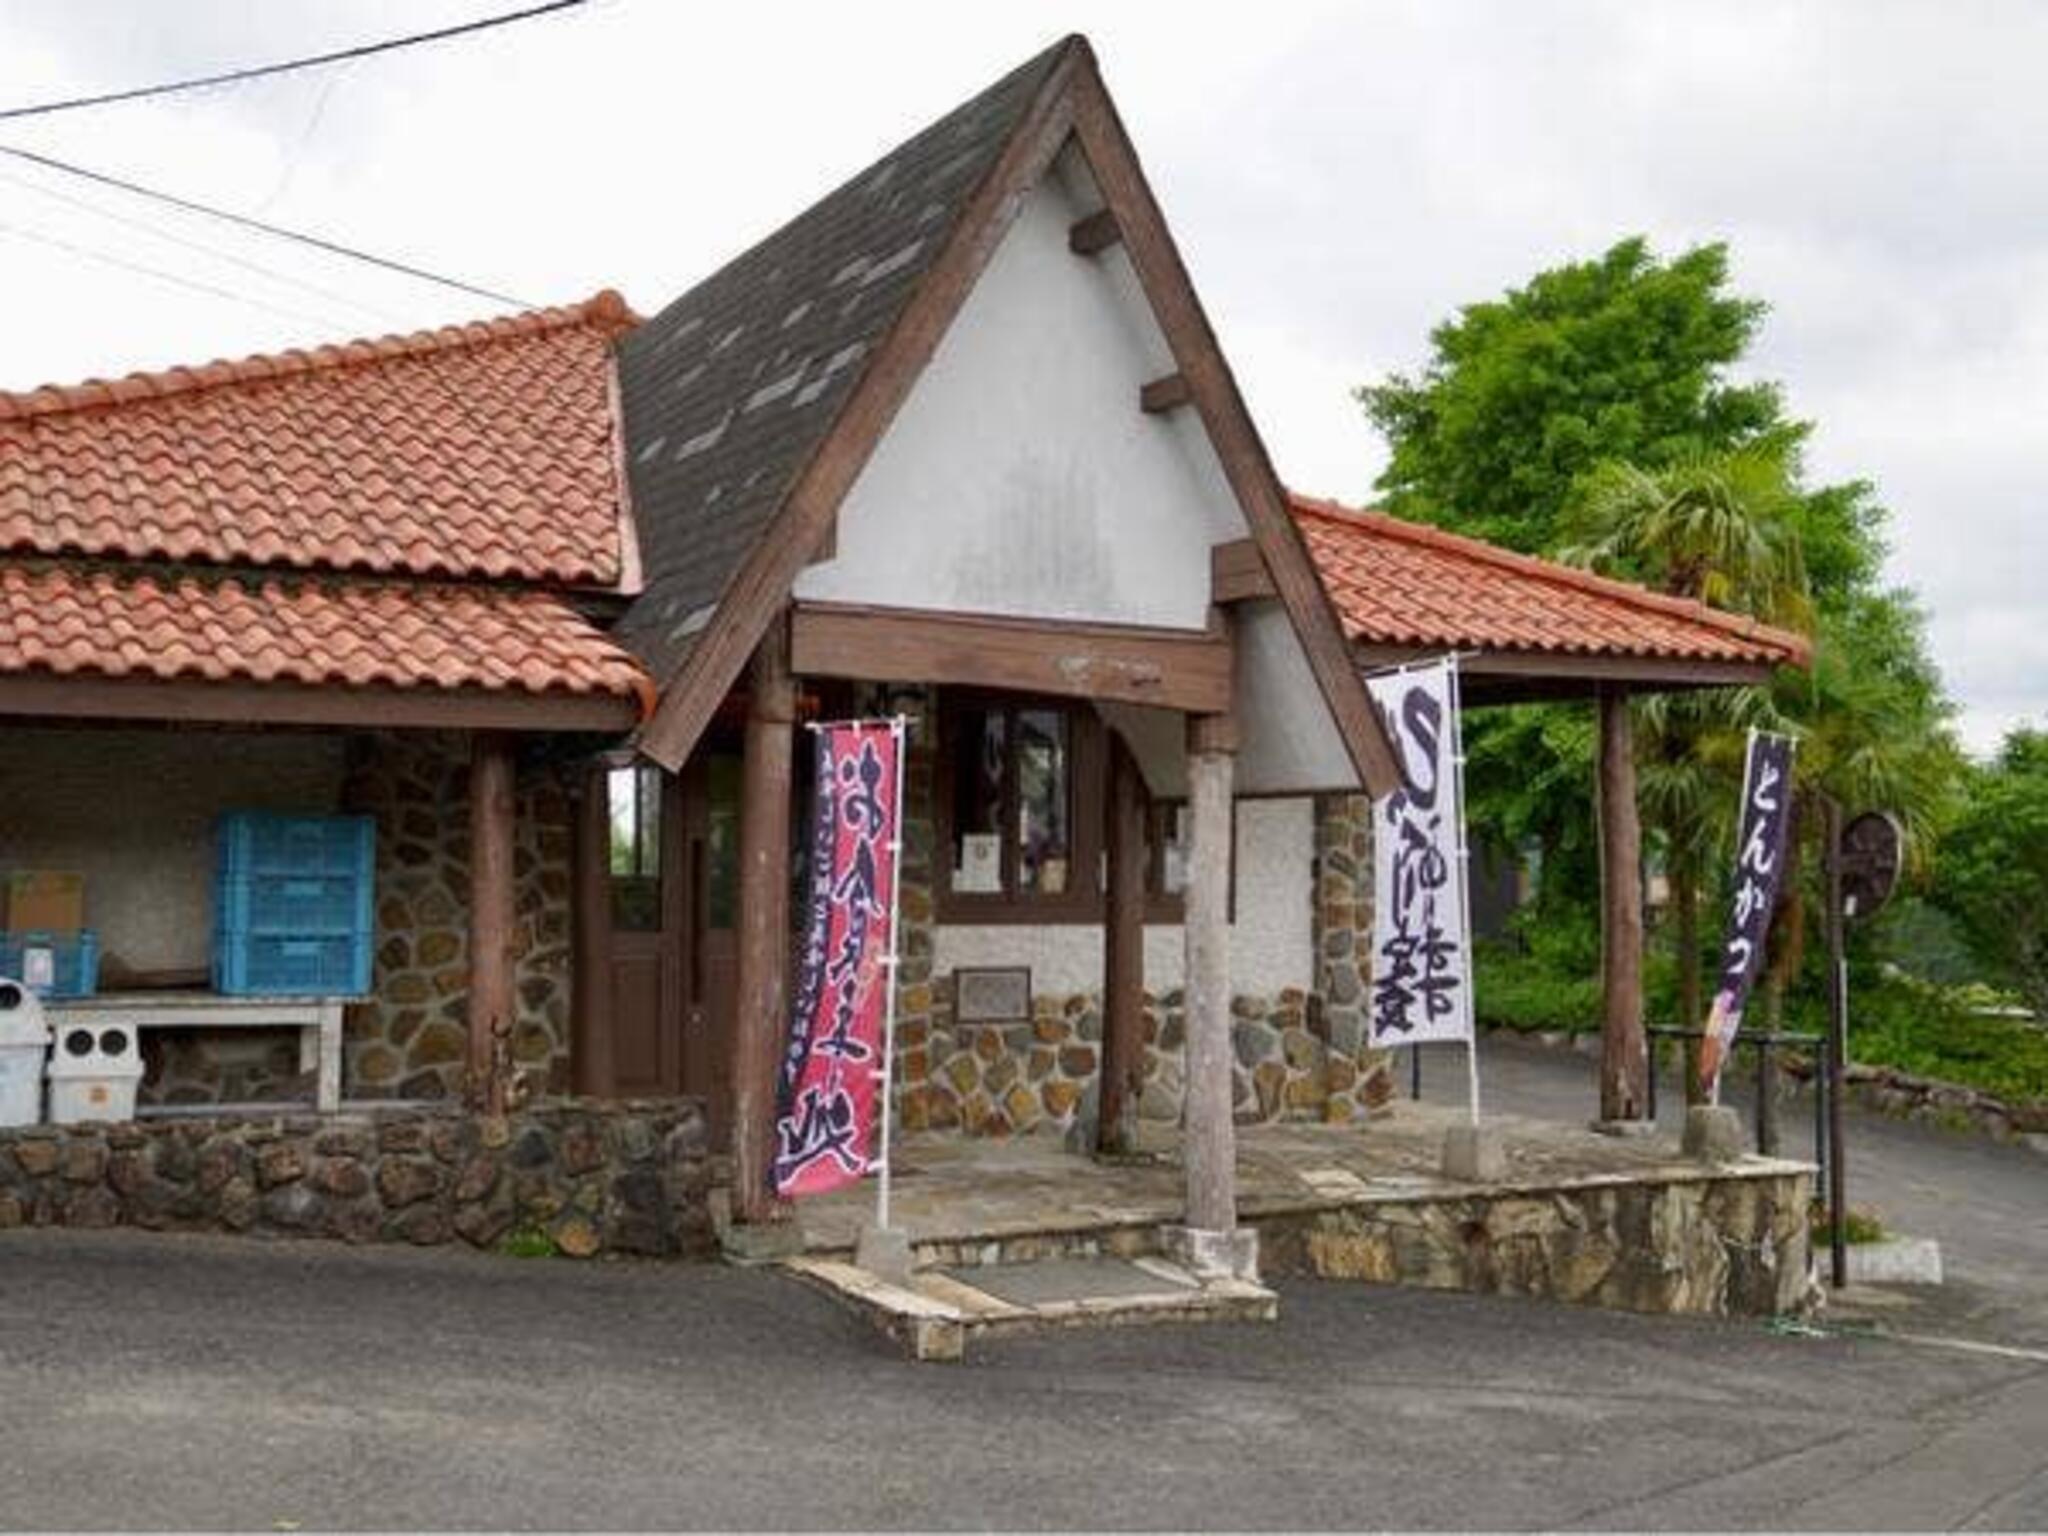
x=1993 y=869
x=1621 y=359
x=1593 y=409
x=1721 y=528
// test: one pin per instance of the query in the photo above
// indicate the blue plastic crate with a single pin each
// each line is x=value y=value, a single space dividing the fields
x=292 y=965
x=74 y=961
x=293 y=909
x=302 y=906
x=266 y=843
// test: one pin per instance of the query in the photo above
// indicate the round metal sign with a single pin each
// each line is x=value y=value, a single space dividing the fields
x=1873 y=846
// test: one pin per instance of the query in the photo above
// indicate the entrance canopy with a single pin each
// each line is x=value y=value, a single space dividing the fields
x=1523 y=628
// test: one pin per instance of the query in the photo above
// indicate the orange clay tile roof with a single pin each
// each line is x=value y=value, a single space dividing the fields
x=486 y=450
x=74 y=622
x=1408 y=584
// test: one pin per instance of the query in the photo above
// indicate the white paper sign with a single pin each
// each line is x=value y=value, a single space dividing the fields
x=1422 y=964
x=981 y=863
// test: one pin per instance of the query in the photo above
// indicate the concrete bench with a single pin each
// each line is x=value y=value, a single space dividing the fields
x=318 y=1020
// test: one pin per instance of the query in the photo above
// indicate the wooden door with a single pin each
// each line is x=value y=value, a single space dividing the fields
x=657 y=954
x=643 y=926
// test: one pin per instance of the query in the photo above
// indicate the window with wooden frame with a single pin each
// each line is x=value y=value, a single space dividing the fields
x=1020 y=810
x=634 y=794
x=1023 y=792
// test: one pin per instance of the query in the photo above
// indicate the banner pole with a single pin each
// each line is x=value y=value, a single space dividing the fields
x=1465 y=880
x=899 y=728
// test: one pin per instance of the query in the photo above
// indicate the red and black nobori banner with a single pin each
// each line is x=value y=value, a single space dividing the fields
x=830 y=1076
x=1759 y=871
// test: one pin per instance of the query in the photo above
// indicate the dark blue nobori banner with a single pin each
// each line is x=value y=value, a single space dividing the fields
x=1759 y=872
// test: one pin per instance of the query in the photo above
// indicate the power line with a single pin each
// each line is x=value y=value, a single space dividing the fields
x=315 y=61
x=333 y=248
x=158 y=273
x=158 y=232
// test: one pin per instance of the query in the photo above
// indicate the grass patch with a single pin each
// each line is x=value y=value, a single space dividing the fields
x=1857 y=1227
x=527 y=1242
x=1540 y=989
x=1932 y=1031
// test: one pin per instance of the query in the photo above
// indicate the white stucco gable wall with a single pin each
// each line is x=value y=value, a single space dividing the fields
x=1020 y=477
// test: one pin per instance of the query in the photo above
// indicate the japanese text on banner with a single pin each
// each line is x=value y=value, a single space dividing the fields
x=1759 y=870
x=1422 y=975
x=830 y=1076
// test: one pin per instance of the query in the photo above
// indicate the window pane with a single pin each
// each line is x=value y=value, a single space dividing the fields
x=1044 y=848
x=722 y=842
x=980 y=739
x=634 y=811
x=1171 y=826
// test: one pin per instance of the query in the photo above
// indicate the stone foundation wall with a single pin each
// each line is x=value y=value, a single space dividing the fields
x=1715 y=1244
x=574 y=1178
x=410 y=1040
x=1299 y=1055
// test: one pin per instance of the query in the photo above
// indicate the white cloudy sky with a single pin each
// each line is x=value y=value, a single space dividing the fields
x=1340 y=177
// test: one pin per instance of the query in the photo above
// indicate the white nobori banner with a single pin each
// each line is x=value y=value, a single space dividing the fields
x=1422 y=963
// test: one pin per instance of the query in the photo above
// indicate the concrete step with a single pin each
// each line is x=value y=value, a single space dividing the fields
x=1094 y=1235
x=941 y=1309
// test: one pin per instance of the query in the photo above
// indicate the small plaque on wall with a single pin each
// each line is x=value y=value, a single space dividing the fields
x=992 y=994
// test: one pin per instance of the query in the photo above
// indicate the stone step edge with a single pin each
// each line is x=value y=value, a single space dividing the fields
x=937 y=1327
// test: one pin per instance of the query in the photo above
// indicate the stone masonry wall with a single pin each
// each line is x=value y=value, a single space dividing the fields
x=577 y=1178
x=410 y=1040
x=1714 y=1243
x=1298 y=1055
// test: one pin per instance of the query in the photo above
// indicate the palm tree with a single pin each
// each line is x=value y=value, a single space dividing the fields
x=1720 y=528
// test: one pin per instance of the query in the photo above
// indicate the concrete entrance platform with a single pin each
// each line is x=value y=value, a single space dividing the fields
x=1620 y=1222
x=936 y=1314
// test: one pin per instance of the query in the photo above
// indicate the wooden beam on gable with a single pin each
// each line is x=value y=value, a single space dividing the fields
x=1094 y=234
x=1164 y=394
x=1172 y=669
x=1237 y=571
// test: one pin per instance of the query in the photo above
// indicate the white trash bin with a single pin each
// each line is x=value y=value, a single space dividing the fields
x=94 y=1070
x=24 y=1042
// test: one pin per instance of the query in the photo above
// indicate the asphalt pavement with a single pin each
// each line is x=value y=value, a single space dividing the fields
x=174 y=1382
x=151 y=1381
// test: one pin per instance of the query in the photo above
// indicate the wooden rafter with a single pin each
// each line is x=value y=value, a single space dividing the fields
x=1237 y=571
x=1169 y=392
x=1095 y=234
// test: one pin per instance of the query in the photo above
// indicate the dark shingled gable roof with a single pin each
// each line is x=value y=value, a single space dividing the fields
x=730 y=389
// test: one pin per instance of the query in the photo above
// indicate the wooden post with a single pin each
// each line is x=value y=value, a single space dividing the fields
x=492 y=914
x=764 y=876
x=1123 y=948
x=1624 y=1074
x=1209 y=1145
x=591 y=1059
